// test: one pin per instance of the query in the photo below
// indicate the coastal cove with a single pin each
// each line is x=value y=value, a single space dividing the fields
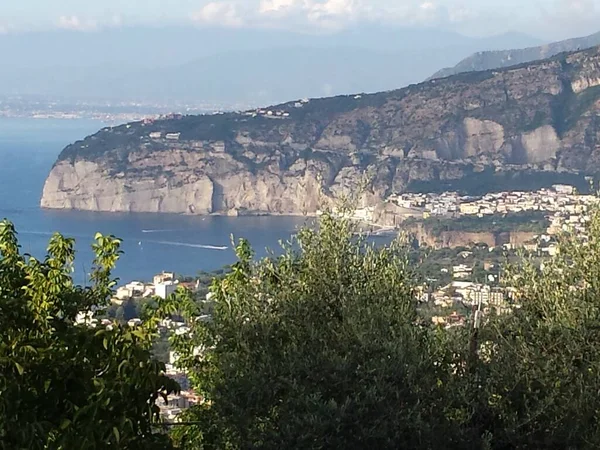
x=151 y=242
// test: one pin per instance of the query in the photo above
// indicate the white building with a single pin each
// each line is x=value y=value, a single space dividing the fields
x=564 y=189
x=461 y=271
x=364 y=214
x=123 y=293
x=133 y=289
x=163 y=277
x=164 y=290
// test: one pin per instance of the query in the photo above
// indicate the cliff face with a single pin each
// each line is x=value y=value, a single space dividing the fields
x=179 y=181
x=504 y=58
x=454 y=239
x=541 y=118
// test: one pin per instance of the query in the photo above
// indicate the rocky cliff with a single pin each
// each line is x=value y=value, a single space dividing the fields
x=475 y=129
x=454 y=239
x=490 y=60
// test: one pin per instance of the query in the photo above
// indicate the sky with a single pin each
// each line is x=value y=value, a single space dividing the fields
x=547 y=19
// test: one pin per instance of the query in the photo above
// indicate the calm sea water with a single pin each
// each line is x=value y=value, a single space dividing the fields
x=151 y=242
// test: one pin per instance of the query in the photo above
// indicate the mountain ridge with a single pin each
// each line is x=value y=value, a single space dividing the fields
x=499 y=126
x=496 y=59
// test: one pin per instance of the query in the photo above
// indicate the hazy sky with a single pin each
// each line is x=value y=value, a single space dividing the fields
x=549 y=19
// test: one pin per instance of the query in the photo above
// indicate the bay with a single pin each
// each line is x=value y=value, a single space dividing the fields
x=151 y=242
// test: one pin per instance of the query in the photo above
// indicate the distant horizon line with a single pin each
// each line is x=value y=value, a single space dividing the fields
x=304 y=31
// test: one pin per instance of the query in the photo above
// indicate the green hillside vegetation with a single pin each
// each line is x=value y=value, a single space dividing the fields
x=532 y=222
x=322 y=347
x=430 y=262
x=490 y=180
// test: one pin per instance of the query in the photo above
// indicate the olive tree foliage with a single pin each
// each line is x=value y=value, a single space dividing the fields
x=320 y=347
x=539 y=368
x=63 y=385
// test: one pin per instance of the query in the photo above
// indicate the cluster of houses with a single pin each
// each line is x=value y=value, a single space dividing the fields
x=558 y=199
x=268 y=113
x=171 y=116
x=177 y=403
x=444 y=204
x=168 y=136
x=275 y=113
x=469 y=295
x=564 y=221
x=162 y=285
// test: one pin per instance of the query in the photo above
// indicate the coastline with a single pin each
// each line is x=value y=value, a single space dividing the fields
x=180 y=214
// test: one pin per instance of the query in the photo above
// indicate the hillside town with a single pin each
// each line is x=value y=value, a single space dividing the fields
x=557 y=199
x=463 y=292
x=566 y=209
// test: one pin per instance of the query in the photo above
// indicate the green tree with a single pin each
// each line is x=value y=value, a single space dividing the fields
x=538 y=380
x=322 y=348
x=318 y=348
x=64 y=385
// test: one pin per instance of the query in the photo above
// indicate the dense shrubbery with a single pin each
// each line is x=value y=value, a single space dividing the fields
x=322 y=348
x=319 y=348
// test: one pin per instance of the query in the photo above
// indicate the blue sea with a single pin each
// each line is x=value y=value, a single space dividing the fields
x=151 y=242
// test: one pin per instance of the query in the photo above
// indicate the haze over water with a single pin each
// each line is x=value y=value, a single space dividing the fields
x=151 y=242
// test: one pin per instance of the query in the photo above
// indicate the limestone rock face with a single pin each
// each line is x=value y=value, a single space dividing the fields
x=90 y=186
x=85 y=186
x=541 y=144
x=454 y=239
x=482 y=137
x=294 y=158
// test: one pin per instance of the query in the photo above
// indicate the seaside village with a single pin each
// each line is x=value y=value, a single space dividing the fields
x=451 y=303
x=566 y=209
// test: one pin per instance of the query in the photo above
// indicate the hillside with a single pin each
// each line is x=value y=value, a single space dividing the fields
x=496 y=59
x=538 y=122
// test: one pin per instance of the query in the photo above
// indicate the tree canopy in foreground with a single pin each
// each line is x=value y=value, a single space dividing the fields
x=322 y=347
x=64 y=385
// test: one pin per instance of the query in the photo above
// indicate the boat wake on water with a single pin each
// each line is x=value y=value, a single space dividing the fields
x=185 y=244
x=158 y=231
x=48 y=233
x=36 y=233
